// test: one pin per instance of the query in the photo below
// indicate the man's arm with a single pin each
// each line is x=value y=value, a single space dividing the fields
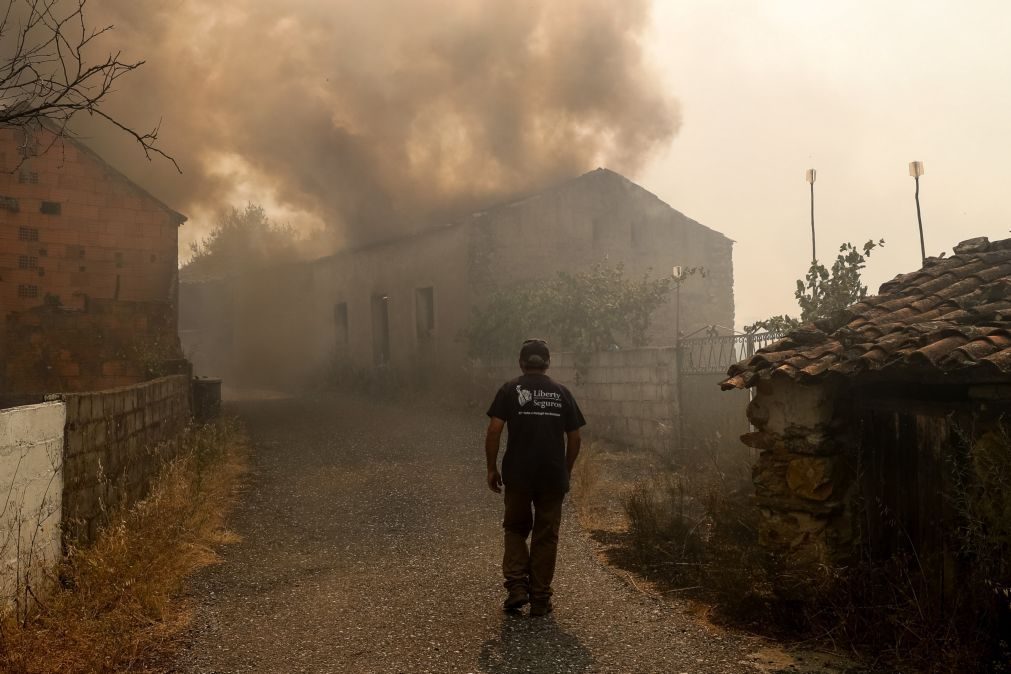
x=491 y=443
x=573 y=441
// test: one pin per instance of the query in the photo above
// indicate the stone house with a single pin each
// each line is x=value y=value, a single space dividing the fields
x=404 y=304
x=88 y=270
x=859 y=417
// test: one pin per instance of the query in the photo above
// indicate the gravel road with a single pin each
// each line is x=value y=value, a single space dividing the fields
x=371 y=544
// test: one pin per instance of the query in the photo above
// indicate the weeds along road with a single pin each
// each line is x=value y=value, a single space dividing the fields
x=370 y=543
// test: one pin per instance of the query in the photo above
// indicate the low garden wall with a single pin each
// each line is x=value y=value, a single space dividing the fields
x=116 y=442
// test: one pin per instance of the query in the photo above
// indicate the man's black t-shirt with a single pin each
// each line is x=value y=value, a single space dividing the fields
x=538 y=412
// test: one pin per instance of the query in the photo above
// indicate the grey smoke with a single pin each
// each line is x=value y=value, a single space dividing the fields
x=381 y=116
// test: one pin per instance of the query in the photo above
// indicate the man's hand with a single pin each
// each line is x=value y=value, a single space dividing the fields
x=491 y=440
x=573 y=442
x=495 y=481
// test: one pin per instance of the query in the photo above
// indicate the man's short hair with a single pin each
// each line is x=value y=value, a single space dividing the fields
x=535 y=354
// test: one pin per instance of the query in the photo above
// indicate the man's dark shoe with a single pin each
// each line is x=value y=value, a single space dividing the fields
x=540 y=608
x=517 y=599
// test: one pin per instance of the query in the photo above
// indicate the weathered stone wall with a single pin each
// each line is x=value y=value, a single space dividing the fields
x=628 y=397
x=804 y=472
x=105 y=345
x=31 y=482
x=116 y=442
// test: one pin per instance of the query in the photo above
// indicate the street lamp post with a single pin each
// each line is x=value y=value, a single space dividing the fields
x=677 y=273
x=916 y=170
x=810 y=176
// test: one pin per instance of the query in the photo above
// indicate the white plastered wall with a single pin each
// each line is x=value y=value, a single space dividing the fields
x=31 y=487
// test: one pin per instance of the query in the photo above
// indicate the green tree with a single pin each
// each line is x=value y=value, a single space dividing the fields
x=584 y=312
x=240 y=241
x=824 y=292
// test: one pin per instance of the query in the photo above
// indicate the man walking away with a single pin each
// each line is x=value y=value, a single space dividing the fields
x=543 y=443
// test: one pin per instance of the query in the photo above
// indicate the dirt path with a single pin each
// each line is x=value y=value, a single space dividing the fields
x=370 y=544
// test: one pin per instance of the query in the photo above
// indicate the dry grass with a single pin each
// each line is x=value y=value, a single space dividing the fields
x=116 y=605
x=603 y=472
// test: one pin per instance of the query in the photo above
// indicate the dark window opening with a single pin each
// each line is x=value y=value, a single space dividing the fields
x=424 y=313
x=43 y=252
x=381 y=329
x=28 y=291
x=340 y=319
x=28 y=234
x=42 y=271
x=51 y=207
x=9 y=204
x=119 y=260
x=29 y=177
x=27 y=262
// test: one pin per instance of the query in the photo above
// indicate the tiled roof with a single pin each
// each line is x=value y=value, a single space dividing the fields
x=953 y=315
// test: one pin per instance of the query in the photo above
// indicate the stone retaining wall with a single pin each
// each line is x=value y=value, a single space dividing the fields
x=116 y=442
x=804 y=472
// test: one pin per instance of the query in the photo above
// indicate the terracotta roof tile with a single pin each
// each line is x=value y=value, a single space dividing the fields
x=953 y=314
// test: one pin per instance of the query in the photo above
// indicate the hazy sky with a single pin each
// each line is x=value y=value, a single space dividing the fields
x=857 y=90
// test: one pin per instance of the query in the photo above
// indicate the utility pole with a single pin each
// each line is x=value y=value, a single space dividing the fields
x=677 y=273
x=916 y=170
x=810 y=177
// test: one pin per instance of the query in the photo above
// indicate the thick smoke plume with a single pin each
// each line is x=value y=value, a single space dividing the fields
x=378 y=117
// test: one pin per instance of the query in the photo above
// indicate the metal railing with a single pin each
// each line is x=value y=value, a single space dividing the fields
x=713 y=354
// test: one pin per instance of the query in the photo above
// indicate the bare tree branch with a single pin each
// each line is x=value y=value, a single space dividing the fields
x=46 y=77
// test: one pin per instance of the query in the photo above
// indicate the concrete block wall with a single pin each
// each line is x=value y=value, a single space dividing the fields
x=31 y=482
x=116 y=442
x=628 y=397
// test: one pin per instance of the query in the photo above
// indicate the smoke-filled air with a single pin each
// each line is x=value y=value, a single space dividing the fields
x=371 y=119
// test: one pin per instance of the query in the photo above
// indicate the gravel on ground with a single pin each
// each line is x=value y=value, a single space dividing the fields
x=370 y=543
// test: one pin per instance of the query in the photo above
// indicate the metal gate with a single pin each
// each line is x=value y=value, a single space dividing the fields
x=714 y=353
x=710 y=419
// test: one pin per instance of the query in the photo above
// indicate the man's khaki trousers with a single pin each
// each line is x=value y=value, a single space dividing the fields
x=534 y=568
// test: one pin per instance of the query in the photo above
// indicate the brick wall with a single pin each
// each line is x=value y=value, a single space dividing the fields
x=116 y=442
x=104 y=238
x=628 y=397
x=105 y=345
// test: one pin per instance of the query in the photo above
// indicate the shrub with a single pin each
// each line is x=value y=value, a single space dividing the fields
x=702 y=533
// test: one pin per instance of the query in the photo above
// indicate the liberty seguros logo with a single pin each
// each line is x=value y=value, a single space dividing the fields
x=524 y=395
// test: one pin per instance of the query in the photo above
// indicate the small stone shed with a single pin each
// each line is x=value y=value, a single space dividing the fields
x=858 y=417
